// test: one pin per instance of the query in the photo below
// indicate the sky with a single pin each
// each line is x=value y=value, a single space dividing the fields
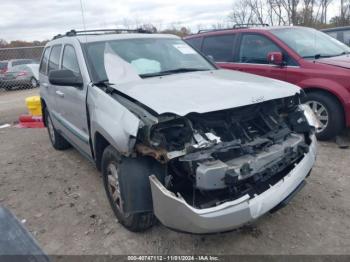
x=42 y=19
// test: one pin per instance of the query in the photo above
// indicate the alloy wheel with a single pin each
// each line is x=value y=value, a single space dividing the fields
x=321 y=113
x=113 y=186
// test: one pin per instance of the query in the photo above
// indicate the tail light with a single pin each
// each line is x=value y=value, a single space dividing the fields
x=3 y=71
x=23 y=73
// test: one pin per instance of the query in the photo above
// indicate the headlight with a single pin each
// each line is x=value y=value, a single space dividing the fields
x=310 y=116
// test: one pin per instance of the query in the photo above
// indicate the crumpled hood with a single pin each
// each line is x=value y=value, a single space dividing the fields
x=204 y=91
x=340 y=61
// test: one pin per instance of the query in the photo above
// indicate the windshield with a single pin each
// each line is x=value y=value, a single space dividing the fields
x=148 y=57
x=310 y=43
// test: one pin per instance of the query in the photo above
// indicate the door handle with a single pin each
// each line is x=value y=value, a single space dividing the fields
x=59 y=93
x=45 y=85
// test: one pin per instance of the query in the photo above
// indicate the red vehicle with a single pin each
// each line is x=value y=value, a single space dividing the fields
x=302 y=56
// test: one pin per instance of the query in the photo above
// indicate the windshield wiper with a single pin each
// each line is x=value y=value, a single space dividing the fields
x=173 y=71
x=317 y=56
x=343 y=53
x=105 y=85
x=102 y=83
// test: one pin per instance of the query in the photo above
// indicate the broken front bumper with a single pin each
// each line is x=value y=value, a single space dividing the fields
x=175 y=213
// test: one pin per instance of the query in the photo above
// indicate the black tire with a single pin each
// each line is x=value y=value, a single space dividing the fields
x=136 y=222
x=33 y=83
x=335 y=114
x=57 y=141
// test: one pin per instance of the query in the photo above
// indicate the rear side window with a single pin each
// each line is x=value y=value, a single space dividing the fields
x=54 y=57
x=69 y=60
x=196 y=43
x=44 y=61
x=220 y=47
x=254 y=49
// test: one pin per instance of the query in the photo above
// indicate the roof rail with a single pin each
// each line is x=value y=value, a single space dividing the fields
x=212 y=30
x=236 y=26
x=74 y=32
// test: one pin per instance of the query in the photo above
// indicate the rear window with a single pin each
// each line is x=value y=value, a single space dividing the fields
x=22 y=62
x=19 y=68
x=55 y=57
x=3 y=65
x=220 y=47
x=44 y=61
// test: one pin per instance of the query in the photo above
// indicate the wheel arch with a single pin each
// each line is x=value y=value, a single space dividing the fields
x=99 y=145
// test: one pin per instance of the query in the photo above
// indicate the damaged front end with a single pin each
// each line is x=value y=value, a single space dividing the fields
x=227 y=167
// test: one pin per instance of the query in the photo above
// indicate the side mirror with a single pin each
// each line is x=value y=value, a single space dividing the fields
x=65 y=77
x=275 y=58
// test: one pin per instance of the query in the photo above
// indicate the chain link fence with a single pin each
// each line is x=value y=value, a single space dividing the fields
x=19 y=68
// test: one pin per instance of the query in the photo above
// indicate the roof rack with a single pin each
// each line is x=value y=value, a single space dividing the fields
x=236 y=26
x=74 y=32
x=212 y=30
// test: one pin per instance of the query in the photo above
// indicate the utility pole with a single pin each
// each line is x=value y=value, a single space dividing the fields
x=342 y=16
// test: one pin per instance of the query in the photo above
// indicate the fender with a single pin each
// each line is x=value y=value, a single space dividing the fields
x=339 y=91
x=112 y=120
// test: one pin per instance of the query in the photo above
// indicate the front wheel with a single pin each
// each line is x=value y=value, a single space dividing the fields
x=111 y=174
x=329 y=112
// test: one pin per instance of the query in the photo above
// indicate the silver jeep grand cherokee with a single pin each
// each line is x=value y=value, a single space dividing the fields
x=199 y=148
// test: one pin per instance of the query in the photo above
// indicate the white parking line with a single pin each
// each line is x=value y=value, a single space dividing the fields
x=5 y=125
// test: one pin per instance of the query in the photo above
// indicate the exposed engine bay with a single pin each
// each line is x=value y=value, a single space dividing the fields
x=220 y=156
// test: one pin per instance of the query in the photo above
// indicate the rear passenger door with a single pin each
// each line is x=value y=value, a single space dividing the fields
x=252 y=56
x=72 y=102
x=49 y=62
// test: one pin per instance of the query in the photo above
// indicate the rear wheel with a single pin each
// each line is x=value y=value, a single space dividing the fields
x=33 y=83
x=135 y=222
x=329 y=112
x=57 y=141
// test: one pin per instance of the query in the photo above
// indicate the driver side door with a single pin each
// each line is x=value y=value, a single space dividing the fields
x=72 y=101
x=252 y=56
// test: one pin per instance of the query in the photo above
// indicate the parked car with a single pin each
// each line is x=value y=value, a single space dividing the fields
x=200 y=148
x=6 y=65
x=302 y=56
x=22 y=76
x=342 y=34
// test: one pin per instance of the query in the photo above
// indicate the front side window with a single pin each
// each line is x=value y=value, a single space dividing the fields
x=149 y=57
x=44 y=61
x=310 y=43
x=69 y=60
x=255 y=48
x=220 y=47
x=54 y=57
